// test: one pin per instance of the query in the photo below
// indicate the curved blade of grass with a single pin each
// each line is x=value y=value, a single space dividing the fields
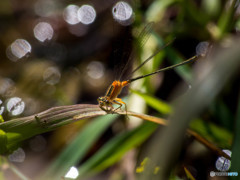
x=225 y=21
x=20 y=129
x=18 y=173
x=204 y=90
x=3 y=140
x=9 y=166
x=210 y=131
x=188 y=174
x=199 y=138
x=78 y=148
x=116 y=148
x=157 y=10
x=155 y=103
x=223 y=113
x=203 y=136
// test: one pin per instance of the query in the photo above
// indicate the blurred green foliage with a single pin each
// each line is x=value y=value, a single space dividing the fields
x=100 y=145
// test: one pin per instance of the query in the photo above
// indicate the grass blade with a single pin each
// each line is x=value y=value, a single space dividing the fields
x=116 y=148
x=78 y=148
x=157 y=104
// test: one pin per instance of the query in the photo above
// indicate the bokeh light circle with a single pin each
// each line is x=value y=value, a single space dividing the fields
x=15 y=106
x=20 y=48
x=70 y=14
x=122 y=13
x=86 y=14
x=43 y=31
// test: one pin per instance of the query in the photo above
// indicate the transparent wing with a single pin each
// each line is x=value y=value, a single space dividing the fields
x=141 y=39
x=150 y=57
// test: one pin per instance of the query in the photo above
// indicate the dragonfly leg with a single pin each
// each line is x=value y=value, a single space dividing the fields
x=111 y=108
x=103 y=108
x=120 y=103
x=107 y=107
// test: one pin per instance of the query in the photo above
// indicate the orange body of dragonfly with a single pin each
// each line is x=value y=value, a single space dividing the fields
x=106 y=102
x=111 y=97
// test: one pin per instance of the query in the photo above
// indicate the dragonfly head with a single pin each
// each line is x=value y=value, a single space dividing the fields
x=102 y=101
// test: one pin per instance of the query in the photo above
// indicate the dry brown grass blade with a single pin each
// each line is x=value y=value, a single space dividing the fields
x=196 y=136
x=53 y=117
x=58 y=116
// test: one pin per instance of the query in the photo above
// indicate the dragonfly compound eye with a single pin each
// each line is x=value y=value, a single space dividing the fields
x=102 y=100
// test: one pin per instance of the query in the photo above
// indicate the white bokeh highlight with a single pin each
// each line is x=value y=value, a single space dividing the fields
x=202 y=48
x=70 y=14
x=15 y=106
x=72 y=173
x=1 y=107
x=222 y=163
x=122 y=13
x=7 y=87
x=20 y=48
x=52 y=75
x=86 y=14
x=17 y=156
x=43 y=31
x=95 y=70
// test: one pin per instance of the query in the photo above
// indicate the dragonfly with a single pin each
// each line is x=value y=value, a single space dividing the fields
x=111 y=97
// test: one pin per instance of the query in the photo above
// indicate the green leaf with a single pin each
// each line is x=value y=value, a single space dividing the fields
x=4 y=162
x=222 y=112
x=1 y=119
x=196 y=15
x=3 y=142
x=19 y=174
x=189 y=174
x=226 y=21
x=212 y=133
x=155 y=103
x=116 y=148
x=78 y=148
x=23 y=128
x=212 y=7
x=157 y=10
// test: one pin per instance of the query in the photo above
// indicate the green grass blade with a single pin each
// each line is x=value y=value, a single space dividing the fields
x=3 y=141
x=227 y=21
x=18 y=173
x=157 y=104
x=19 y=129
x=212 y=133
x=116 y=148
x=78 y=148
